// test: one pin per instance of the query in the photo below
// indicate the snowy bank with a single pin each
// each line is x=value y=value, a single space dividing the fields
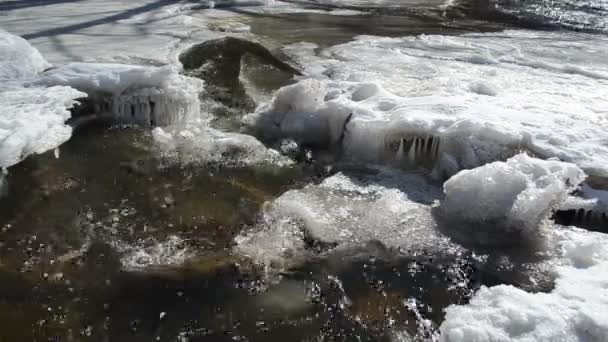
x=575 y=310
x=32 y=119
x=449 y=103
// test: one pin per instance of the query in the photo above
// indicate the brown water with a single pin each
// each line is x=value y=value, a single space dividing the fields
x=69 y=228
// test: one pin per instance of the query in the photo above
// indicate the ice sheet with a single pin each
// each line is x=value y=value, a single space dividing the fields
x=486 y=97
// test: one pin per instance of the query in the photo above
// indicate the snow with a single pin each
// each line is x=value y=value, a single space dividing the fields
x=486 y=97
x=574 y=310
x=18 y=59
x=32 y=120
x=516 y=194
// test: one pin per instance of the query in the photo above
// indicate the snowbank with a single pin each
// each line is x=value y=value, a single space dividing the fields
x=518 y=193
x=574 y=310
x=18 y=59
x=150 y=96
x=480 y=97
x=32 y=119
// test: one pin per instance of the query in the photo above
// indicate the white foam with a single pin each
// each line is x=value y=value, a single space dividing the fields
x=518 y=193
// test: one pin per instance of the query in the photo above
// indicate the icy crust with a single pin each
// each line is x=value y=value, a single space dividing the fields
x=481 y=97
x=575 y=310
x=18 y=59
x=32 y=120
x=516 y=194
x=197 y=143
x=592 y=202
x=150 y=96
x=391 y=207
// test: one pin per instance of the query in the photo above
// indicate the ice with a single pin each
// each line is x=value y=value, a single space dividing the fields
x=32 y=119
x=149 y=32
x=390 y=207
x=481 y=97
x=574 y=310
x=18 y=59
x=151 y=96
x=575 y=14
x=516 y=194
x=197 y=143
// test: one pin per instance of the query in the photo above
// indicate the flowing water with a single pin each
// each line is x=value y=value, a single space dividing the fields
x=106 y=239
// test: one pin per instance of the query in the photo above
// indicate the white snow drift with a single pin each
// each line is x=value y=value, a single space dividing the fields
x=32 y=120
x=575 y=310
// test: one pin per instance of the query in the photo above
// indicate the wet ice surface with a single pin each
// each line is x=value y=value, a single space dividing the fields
x=333 y=219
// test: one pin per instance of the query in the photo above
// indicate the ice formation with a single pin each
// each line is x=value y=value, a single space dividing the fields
x=574 y=310
x=18 y=59
x=392 y=207
x=32 y=119
x=149 y=96
x=450 y=103
x=516 y=194
x=197 y=143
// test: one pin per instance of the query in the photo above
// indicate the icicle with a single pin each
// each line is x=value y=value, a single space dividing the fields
x=399 y=155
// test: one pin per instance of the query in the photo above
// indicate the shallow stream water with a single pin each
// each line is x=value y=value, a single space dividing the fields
x=105 y=240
